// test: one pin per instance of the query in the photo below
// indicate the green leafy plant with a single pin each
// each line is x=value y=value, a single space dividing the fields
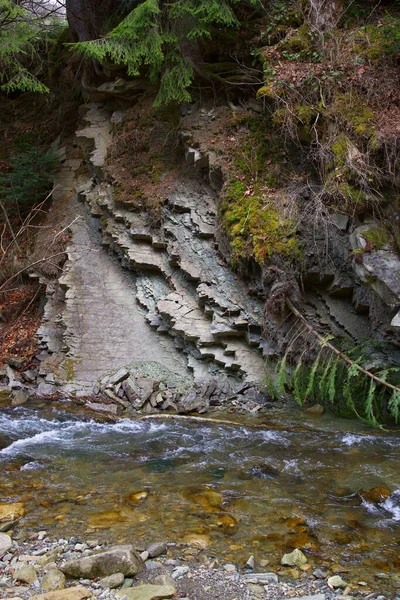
x=342 y=387
x=340 y=382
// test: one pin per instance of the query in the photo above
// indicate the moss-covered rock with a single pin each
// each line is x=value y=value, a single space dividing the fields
x=255 y=227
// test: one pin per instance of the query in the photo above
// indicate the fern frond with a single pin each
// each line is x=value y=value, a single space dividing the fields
x=394 y=405
x=311 y=378
x=298 y=387
x=331 y=383
x=282 y=378
x=369 y=404
x=322 y=383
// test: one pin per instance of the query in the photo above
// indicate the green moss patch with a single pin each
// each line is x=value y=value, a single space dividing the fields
x=350 y=109
x=254 y=226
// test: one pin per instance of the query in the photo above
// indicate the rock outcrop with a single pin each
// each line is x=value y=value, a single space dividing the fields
x=175 y=302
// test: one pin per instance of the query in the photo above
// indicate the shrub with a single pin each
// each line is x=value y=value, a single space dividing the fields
x=28 y=180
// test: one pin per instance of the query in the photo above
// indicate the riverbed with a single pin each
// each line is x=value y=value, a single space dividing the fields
x=259 y=488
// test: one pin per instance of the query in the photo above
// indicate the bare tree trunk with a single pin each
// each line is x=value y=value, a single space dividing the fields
x=325 y=14
x=86 y=18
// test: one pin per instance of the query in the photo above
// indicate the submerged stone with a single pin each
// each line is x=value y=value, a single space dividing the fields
x=200 y=540
x=137 y=497
x=105 y=519
x=375 y=495
x=226 y=521
x=294 y=522
x=11 y=511
x=208 y=499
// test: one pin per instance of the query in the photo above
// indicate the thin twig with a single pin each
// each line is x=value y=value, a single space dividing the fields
x=29 y=267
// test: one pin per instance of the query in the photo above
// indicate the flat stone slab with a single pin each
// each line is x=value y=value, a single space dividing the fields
x=262 y=578
x=314 y=597
x=73 y=593
x=147 y=592
x=187 y=319
x=105 y=328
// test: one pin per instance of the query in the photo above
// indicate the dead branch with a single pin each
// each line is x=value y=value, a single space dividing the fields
x=29 y=267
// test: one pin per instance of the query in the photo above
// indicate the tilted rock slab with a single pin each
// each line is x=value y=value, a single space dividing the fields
x=120 y=559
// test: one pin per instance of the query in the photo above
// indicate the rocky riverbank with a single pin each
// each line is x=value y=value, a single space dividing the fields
x=146 y=388
x=33 y=566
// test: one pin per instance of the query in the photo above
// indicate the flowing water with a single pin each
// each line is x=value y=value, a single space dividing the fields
x=238 y=489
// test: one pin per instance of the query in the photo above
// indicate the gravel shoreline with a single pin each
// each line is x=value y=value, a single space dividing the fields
x=33 y=569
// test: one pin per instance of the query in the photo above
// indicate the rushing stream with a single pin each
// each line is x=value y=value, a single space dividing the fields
x=239 y=490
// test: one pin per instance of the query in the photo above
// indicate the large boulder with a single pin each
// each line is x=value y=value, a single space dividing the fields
x=120 y=559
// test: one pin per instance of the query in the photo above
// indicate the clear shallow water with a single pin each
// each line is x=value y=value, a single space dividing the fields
x=242 y=490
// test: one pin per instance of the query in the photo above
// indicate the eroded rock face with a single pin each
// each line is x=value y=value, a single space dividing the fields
x=178 y=303
x=379 y=268
x=120 y=559
x=177 y=285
